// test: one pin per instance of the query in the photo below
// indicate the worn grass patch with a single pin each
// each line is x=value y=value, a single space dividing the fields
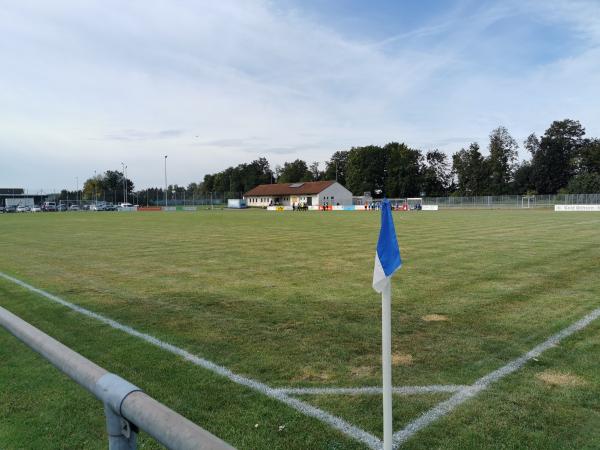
x=434 y=318
x=560 y=379
x=401 y=359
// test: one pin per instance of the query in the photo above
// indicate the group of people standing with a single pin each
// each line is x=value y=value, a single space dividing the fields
x=300 y=206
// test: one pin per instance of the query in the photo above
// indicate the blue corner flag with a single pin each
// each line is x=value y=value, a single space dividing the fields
x=387 y=256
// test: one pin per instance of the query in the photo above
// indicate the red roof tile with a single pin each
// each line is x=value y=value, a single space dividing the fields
x=305 y=188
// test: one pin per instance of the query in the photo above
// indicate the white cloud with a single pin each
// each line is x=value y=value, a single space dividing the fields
x=212 y=84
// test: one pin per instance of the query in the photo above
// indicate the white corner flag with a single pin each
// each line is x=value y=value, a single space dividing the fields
x=387 y=261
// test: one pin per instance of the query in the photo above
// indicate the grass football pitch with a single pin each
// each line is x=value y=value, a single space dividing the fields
x=286 y=299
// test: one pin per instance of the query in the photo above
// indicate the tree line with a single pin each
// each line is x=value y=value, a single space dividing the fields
x=563 y=159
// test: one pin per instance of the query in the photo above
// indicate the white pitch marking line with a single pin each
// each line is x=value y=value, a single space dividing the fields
x=484 y=382
x=403 y=390
x=341 y=425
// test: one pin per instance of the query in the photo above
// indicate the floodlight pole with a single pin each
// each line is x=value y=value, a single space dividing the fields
x=166 y=194
x=126 y=185
x=123 y=168
x=386 y=358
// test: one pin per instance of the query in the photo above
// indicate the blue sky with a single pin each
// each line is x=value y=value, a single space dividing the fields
x=87 y=85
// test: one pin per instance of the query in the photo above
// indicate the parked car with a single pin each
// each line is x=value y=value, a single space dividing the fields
x=36 y=208
x=49 y=206
x=110 y=207
x=61 y=207
x=23 y=208
x=74 y=208
x=11 y=209
x=98 y=206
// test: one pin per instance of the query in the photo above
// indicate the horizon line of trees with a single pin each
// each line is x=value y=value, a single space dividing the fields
x=562 y=160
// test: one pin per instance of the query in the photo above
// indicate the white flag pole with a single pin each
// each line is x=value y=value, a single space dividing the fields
x=386 y=358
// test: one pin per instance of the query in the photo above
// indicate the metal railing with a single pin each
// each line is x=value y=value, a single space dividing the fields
x=126 y=407
x=502 y=201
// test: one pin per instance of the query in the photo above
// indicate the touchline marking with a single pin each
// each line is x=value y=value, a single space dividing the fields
x=484 y=382
x=402 y=390
x=339 y=424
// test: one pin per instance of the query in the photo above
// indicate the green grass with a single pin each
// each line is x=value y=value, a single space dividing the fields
x=285 y=298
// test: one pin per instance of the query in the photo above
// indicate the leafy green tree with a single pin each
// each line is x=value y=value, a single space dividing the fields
x=555 y=154
x=522 y=181
x=336 y=167
x=501 y=161
x=404 y=175
x=366 y=169
x=437 y=178
x=585 y=183
x=93 y=188
x=588 y=160
x=471 y=171
x=315 y=173
x=295 y=171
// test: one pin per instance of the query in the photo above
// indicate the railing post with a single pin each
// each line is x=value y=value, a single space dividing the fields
x=122 y=435
x=112 y=389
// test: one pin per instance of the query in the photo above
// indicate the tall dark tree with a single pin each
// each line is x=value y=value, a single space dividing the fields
x=471 y=171
x=404 y=176
x=366 y=169
x=584 y=183
x=588 y=160
x=522 y=182
x=315 y=173
x=295 y=171
x=437 y=177
x=336 y=167
x=501 y=161
x=554 y=155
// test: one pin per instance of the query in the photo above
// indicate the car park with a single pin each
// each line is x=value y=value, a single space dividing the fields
x=36 y=208
x=23 y=208
x=74 y=208
x=110 y=207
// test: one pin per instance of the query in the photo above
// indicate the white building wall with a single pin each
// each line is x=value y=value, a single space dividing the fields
x=266 y=200
x=334 y=194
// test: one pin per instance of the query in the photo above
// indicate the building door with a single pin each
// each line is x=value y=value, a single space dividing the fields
x=309 y=200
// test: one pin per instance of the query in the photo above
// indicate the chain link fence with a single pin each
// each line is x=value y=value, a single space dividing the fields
x=513 y=201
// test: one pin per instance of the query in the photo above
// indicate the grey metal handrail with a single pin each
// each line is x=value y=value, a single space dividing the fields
x=127 y=408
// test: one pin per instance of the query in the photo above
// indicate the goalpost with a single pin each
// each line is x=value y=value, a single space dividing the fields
x=414 y=203
x=528 y=201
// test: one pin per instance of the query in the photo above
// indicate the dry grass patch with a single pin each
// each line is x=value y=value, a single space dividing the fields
x=560 y=379
x=309 y=374
x=363 y=371
x=402 y=359
x=434 y=318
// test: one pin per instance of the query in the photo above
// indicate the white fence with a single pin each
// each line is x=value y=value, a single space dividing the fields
x=512 y=201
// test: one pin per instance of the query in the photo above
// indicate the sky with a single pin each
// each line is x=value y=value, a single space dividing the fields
x=90 y=85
